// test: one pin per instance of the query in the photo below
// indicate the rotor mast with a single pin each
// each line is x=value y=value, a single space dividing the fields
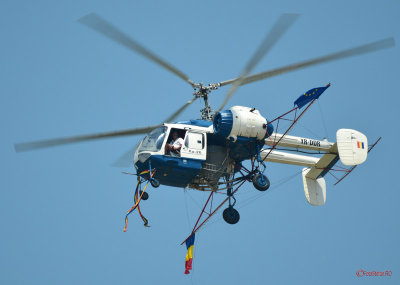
x=201 y=91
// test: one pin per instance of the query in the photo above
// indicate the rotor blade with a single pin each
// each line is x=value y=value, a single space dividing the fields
x=180 y=110
x=105 y=28
x=280 y=27
x=371 y=47
x=126 y=159
x=20 y=147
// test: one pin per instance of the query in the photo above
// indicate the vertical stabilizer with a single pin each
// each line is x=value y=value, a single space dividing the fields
x=314 y=189
x=352 y=146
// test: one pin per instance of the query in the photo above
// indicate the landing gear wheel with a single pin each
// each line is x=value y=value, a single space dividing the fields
x=145 y=195
x=261 y=182
x=231 y=215
x=155 y=183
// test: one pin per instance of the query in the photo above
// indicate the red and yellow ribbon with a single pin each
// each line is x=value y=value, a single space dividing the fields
x=137 y=201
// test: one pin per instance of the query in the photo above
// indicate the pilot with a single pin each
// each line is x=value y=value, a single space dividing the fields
x=175 y=144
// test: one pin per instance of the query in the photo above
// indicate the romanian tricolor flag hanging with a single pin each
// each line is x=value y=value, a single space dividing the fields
x=189 y=255
x=310 y=95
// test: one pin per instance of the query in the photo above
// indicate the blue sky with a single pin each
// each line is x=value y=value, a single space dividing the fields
x=62 y=209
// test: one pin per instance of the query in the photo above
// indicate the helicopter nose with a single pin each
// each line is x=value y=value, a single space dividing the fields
x=142 y=157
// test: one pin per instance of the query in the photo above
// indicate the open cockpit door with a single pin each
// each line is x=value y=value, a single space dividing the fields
x=195 y=145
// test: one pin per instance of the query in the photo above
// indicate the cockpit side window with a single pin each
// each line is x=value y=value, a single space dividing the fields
x=154 y=140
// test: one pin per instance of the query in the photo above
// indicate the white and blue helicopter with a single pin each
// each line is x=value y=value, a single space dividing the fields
x=212 y=150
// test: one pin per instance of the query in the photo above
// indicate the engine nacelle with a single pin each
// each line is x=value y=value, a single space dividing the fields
x=243 y=122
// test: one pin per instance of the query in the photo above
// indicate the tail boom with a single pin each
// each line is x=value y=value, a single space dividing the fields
x=351 y=148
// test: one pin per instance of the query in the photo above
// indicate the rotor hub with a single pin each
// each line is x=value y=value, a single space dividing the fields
x=201 y=91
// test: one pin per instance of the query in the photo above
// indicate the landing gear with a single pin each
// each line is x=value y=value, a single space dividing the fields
x=154 y=182
x=261 y=182
x=231 y=215
x=145 y=195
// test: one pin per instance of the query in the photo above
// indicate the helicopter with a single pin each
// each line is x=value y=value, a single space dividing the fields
x=213 y=149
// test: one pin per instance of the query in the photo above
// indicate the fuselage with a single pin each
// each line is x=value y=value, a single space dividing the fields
x=204 y=157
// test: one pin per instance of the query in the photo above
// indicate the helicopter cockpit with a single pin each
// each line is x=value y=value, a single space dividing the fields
x=178 y=166
x=154 y=140
x=158 y=142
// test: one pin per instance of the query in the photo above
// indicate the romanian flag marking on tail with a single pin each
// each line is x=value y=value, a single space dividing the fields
x=189 y=255
x=360 y=145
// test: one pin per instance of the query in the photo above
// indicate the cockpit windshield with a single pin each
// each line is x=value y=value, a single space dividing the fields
x=154 y=140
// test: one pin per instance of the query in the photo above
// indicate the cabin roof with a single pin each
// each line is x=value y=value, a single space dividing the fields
x=199 y=123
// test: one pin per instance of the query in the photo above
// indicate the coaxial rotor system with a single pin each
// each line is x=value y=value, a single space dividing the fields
x=284 y=22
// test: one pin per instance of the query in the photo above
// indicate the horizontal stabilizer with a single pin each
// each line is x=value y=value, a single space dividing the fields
x=324 y=164
x=352 y=146
x=314 y=189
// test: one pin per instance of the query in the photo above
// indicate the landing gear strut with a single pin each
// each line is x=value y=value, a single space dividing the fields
x=260 y=181
x=231 y=215
x=154 y=182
